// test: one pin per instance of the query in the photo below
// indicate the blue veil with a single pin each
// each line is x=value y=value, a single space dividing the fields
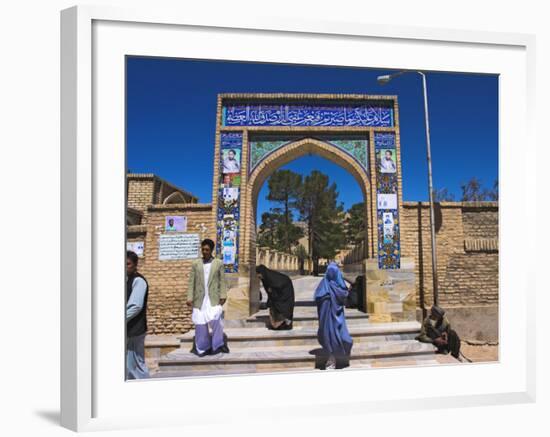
x=330 y=297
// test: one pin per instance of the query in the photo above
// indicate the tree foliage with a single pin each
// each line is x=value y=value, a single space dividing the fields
x=284 y=189
x=473 y=190
x=443 y=195
x=355 y=224
x=277 y=229
x=319 y=208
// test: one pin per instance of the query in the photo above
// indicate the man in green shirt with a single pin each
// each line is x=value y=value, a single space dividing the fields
x=206 y=294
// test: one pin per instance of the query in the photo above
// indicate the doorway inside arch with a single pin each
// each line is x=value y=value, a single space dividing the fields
x=312 y=209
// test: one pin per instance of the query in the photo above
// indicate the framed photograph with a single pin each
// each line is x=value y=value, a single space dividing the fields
x=387 y=161
x=175 y=223
x=134 y=324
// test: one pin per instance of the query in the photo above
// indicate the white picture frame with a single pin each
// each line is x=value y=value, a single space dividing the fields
x=94 y=41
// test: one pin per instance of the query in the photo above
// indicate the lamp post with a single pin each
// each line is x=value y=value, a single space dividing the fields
x=382 y=80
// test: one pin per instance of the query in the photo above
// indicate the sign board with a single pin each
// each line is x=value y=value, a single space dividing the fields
x=135 y=246
x=179 y=246
x=387 y=201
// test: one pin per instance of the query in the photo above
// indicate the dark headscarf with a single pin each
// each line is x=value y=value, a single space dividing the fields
x=281 y=298
x=437 y=311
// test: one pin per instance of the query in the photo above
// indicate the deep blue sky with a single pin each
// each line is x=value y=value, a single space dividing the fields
x=171 y=121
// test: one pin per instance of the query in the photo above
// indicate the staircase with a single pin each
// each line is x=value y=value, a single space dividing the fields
x=256 y=349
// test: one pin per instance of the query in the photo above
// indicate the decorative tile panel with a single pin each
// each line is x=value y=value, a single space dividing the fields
x=389 y=246
x=259 y=150
x=355 y=146
x=228 y=213
x=375 y=114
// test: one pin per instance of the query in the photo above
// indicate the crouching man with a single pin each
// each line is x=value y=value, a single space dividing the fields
x=436 y=329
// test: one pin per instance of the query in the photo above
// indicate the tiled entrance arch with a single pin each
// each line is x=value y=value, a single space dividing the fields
x=258 y=133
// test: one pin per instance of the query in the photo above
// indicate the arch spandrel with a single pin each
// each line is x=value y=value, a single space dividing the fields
x=297 y=149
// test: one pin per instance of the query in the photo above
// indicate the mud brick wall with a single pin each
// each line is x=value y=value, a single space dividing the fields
x=140 y=192
x=467 y=251
x=480 y=220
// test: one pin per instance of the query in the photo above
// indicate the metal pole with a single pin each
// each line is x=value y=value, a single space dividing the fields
x=430 y=185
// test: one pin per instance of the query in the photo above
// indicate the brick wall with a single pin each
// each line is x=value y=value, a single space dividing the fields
x=466 y=277
x=140 y=193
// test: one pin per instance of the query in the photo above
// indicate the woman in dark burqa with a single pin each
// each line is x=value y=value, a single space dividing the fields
x=280 y=297
x=333 y=334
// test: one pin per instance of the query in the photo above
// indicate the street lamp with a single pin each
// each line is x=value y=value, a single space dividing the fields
x=383 y=80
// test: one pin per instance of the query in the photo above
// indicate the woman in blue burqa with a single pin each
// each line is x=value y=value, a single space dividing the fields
x=333 y=334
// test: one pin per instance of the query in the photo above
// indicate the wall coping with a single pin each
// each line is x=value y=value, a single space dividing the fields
x=136 y=229
x=180 y=206
x=301 y=96
x=134 y=211
x=472 y=205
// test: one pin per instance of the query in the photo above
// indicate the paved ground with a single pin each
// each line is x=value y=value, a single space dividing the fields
x=480 y=353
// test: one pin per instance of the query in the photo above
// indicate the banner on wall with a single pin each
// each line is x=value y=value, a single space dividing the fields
x=179 y=246
x=388 y=222
x=389 y=246
x=136 y=247
x=231 y=161
x=228 y=199
x=387 y=161
x=175 y=223
x=387 y=201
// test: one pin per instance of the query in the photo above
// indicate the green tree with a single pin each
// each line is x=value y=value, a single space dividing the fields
x=275 y=233
x=355 y=223
x=285 y=188
x=268 y=233
x=319 y=208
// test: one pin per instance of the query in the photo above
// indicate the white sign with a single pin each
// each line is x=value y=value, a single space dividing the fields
x=387 y=201
x=135 y=246
x=179 y=246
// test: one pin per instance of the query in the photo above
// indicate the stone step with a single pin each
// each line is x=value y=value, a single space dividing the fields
x=311 y=340
x=261 y=323
x=261 y=336
x=293 y=367
x=307 y=313
x=302 y=354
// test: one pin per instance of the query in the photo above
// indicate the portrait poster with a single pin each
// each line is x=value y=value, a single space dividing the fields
x=387 y=161
x=388 y=226
x=231 y=160
x=231 y=180
x=175 y=223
